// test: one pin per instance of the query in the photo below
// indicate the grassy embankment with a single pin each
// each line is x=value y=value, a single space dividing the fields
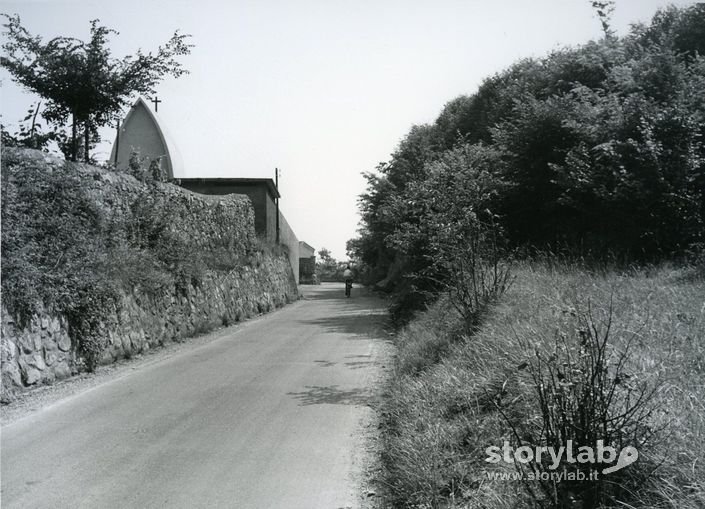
x=452 y=395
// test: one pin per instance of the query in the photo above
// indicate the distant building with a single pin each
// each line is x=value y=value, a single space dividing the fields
x=307 y=263
x=142 y=132
x=306 y=251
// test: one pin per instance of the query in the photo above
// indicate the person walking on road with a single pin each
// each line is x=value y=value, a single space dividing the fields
x=348 y=276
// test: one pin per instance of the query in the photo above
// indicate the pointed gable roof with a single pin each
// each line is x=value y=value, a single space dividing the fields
x=142 y=131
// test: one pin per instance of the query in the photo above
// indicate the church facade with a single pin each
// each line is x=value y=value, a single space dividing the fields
x=142 y=132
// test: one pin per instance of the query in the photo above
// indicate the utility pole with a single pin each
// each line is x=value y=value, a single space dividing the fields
x=276 y=184
x=117 y=142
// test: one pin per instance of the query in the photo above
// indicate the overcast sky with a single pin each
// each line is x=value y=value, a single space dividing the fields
x=322 y=89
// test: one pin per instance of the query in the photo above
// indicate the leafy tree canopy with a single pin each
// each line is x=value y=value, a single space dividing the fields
x=593 y=151
x=80 y=81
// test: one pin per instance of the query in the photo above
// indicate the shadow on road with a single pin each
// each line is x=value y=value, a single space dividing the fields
x=313 y=295
x=364 y=315
x=368 y=325
x=331 y=395
x=358 y=364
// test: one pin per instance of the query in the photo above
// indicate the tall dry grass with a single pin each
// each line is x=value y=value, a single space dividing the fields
x=453 y=395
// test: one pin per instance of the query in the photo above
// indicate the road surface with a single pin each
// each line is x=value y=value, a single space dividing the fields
x=267 y=415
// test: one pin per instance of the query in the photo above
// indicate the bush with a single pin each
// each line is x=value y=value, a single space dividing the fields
x=54 y=250
x=452 y=242
x=585 y=392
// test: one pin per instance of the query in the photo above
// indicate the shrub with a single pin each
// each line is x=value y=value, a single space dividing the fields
x=54 y=249
x=451 y=239
x=584 y=392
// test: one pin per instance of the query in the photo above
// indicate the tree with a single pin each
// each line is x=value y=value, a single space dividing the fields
x=80 y=81
x=595 y=151
x=328 y=269
x=604 y=10
x=324 y=255
x=30 y=132
x=450 y=238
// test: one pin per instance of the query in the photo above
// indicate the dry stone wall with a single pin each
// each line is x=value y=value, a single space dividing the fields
x=40 y=353
x=145 y=322
x=43 y=350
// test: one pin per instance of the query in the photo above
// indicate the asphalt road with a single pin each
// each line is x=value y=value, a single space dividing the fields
x=269 y=414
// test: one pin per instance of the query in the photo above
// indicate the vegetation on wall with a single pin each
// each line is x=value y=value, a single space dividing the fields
x=66 y=250
x=54 y=249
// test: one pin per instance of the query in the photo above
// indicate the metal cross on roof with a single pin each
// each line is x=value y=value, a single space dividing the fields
x=156 y=102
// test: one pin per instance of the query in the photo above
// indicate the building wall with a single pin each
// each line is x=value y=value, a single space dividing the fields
x=306 y=251
x=271 y=220
x=307 y=263
x=287 y=237
x=260 y=201
x=307 y=269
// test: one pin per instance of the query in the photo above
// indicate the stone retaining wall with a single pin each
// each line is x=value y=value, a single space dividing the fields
x=44 y=351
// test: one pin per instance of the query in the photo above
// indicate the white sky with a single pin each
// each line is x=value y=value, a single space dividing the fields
x=322 y=89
